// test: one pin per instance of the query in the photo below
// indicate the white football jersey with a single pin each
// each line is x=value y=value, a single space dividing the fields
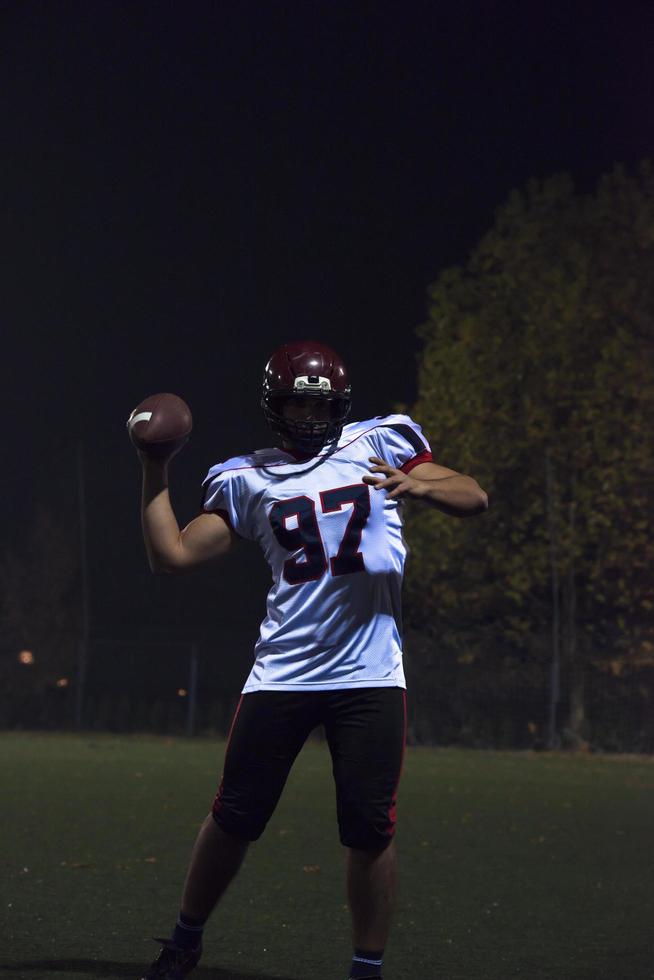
x=336 y=551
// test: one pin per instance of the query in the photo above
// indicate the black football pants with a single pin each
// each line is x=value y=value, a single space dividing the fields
x=366 y=733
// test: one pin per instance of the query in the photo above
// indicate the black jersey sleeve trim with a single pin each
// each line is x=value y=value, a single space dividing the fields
x=410 y=435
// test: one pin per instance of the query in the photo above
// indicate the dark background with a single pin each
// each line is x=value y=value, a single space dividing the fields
x=186 y=186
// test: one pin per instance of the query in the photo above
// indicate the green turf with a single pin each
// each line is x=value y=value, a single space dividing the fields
x=539 y=867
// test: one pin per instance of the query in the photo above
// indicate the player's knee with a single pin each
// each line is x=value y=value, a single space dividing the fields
x=365 y=827
x=361 y=834
x=234 y=827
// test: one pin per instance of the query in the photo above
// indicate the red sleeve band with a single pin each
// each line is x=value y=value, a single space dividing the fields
x=425 y=457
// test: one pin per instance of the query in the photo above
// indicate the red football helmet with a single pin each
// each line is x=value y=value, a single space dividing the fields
x=304 y=369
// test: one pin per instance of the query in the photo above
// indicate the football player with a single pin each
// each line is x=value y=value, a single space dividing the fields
x=325 y=505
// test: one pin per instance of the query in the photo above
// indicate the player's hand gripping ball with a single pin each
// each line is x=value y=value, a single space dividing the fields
x=160 y=425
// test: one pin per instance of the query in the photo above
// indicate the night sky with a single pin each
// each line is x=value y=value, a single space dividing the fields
x=186 y=186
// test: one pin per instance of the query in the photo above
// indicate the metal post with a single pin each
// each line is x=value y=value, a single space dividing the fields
x=192 y=690
x=82 y=650
x=555 y=667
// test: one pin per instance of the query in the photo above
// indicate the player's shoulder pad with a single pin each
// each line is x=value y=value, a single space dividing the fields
x=239 y=464
x=395 y=420
x=354 y=429
x=380 y=422
x=406 y=428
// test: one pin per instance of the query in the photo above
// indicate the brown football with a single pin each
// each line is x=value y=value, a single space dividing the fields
x=160 y=425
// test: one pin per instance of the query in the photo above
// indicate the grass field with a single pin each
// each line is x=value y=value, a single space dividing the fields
x=539 y=867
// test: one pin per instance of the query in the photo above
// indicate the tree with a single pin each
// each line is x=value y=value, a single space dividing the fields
x=543 y=344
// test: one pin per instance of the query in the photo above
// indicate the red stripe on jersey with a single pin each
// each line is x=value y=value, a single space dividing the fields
x=425 y=457
x=392 y=810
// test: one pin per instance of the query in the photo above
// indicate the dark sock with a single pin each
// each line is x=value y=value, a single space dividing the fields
x=188 y=932
x=366 y=963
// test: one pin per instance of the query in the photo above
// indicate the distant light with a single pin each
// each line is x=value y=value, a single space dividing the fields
x=62 y=682
x=26 y=657
x=182 y=692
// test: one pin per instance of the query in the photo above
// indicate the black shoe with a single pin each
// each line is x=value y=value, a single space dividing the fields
x=173 y=962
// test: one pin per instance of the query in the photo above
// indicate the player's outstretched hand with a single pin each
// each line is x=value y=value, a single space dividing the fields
x=396 y=483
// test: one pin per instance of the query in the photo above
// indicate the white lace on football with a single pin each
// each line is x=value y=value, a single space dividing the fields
x=141 y=417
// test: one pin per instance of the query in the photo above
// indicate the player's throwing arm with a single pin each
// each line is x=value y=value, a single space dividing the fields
x=159 y=427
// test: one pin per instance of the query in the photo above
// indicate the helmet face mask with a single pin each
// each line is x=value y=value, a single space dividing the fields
x=306 y=395
x=307 y=432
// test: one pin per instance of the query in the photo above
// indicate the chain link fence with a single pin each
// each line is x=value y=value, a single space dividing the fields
x=192 y=687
